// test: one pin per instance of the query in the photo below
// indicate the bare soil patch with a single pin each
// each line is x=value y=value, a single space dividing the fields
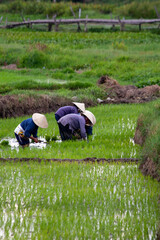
x=11 y=67
x=149 y=168
x=85 y=160
x=139 y=138
x=117 y=93
x=14 y=106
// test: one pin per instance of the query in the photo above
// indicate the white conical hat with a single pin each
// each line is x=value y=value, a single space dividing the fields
x=81 y=106
x=40 y=120
x=90 y=116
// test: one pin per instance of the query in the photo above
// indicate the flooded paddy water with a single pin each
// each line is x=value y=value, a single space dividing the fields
x=13 y=143
x=77 y=201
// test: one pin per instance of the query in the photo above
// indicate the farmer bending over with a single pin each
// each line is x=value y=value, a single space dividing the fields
x=72 y=125
x=76 y=109
x=29 y=127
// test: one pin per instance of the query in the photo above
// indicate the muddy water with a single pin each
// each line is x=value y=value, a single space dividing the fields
x=13 y=143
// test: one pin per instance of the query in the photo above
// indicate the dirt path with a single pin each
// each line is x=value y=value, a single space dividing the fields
x=85 y=160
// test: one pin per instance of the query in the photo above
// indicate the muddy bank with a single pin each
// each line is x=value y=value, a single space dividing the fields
x=15 y=106
x=85 y=160
x=117 y=93
x=20 y=105
x=148 y=166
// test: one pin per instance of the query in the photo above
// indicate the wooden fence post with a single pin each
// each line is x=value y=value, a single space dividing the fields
x=56 y=24
x=113 y=25
x=29 y=25
x=49 y=27
x=121 y=24
x=79 y=28
x=85 y=25
x=158 y=15
x=1 y=19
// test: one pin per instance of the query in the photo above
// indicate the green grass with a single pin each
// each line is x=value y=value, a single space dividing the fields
x=77 y=201
x=130 y=58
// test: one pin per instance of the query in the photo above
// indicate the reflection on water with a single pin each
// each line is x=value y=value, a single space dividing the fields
x=15 y=145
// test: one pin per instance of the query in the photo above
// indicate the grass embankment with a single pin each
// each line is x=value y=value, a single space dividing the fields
x=77 y=201
x=149 y=127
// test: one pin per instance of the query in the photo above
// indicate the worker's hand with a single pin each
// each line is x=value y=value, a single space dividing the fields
x=34 y=139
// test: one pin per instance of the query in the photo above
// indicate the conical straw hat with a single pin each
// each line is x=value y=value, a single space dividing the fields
x=90 y=116
x=40 y=120
x=81 y=106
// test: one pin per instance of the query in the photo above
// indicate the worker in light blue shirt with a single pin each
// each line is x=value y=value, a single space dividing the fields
x=71 y=124
x=78 y=108
x=28 y=129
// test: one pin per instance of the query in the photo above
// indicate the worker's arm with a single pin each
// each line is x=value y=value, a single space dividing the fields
x=34 y=139
x=31 y=130
x=82 y=129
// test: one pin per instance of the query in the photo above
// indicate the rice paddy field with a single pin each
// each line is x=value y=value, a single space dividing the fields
x=112 y=136
x=50 y=200
x=77 y=201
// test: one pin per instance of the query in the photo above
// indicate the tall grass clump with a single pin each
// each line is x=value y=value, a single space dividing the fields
x=149 y=127
x=137 y=9
x=35 y=59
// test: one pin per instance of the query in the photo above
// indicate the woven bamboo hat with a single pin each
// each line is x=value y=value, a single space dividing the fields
x=90 y=116
x=81 y=106
x=40 y=120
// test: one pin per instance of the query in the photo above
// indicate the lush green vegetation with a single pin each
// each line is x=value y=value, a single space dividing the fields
x=45 y=62
x=77 y=201
x=149 y=126
x=132 y=9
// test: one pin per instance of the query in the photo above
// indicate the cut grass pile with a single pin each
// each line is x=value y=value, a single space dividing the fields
x=77 y=201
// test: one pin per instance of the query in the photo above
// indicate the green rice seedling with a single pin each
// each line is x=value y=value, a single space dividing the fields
x=4 y=143
x=77 y=201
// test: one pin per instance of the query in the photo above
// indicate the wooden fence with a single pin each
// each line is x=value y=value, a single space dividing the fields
x=83 y=21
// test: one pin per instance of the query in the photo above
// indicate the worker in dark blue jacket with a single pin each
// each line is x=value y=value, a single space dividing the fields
x=28 y=129
x=62 y=111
